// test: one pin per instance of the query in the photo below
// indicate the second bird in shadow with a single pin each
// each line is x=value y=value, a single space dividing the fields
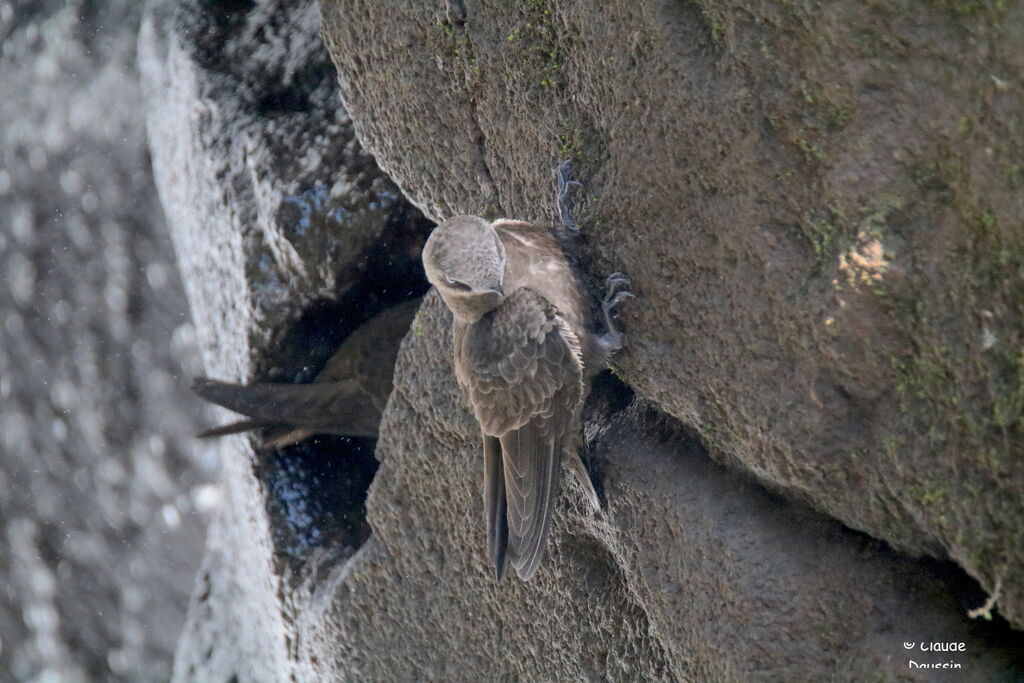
x=346 y=398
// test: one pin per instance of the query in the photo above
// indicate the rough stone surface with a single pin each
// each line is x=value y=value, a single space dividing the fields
x=101 y=490
x=820 y=206
x=288 y=237
x=691 y=572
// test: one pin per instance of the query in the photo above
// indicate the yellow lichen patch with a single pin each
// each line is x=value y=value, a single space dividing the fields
x=865 y=263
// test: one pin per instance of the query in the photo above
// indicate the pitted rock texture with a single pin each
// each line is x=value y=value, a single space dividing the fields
x=101 y=489
x=819 y=204
x=288 y=238
x=690 y=573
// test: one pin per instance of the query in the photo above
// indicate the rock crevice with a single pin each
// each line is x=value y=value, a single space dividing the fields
x=777 y=224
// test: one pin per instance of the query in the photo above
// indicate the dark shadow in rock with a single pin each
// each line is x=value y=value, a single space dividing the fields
x=228 y=7
x=316 y=489
x=211 y=23
x=389 y=273
x=608 y=396
x=969 y=595
x=317 y=495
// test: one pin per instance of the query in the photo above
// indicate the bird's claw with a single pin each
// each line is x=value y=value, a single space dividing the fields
x=565 y=196
x=614 y=282
x=617 y=290
x=616 y=299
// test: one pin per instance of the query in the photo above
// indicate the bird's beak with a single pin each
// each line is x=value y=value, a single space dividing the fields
x=498 y=290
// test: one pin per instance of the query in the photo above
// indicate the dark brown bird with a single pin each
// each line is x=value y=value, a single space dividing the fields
x=524 y=354
x=347 y=397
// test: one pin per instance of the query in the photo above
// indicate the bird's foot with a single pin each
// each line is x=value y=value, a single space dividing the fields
x=617 y=291
x=565 y=196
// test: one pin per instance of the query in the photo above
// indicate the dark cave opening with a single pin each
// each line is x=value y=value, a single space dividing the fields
x=316 y=495
x=316 y=489
x=608 y=397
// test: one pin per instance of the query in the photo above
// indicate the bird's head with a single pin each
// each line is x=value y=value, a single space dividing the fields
x=465 y=260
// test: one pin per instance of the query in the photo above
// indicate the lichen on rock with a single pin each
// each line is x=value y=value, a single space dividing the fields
x=782 y=228
x=733 y=156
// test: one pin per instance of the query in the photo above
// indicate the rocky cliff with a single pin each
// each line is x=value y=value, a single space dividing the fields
x=101 y=489
x=811 y=440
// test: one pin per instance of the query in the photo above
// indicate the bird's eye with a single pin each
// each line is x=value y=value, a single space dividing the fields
x=460 y=286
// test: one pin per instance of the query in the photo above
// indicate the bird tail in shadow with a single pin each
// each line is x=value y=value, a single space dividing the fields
x=262 y=402
x=233 y=428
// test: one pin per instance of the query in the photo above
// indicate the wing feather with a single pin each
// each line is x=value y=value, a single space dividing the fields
x=534 y=463
x=333 y=407
x=521 y=369
x=496 y=506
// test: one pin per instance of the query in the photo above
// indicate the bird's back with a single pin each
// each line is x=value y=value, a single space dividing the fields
x=534 y=259
x=367 y=356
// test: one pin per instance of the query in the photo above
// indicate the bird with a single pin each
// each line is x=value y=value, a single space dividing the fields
x=346 y=398
x=524 y=352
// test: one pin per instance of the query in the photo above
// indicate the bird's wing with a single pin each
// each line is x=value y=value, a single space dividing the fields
x=495 y=505
x=520 y=366
x=532 y=460
x=232 y=428
x=333 y=407
x=368 y=355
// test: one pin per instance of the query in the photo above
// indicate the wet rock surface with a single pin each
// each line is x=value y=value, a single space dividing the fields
x=101 y=490
x=818 y=205
x=289 y=238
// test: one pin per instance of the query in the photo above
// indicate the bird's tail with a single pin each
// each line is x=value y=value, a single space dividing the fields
x=257 y=401
x=232 y=428
x=253 y=401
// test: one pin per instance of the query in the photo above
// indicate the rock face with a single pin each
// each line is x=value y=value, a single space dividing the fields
x=100 y=487
x=820 y=206
x=691 y=571
x=288 y=238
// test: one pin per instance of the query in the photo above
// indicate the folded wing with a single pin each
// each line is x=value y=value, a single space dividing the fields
x=521 y=369
x=329 y=407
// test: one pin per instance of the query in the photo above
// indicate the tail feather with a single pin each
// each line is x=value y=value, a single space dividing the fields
x=329 y=407
x=232 y=428
x=254 y=400
x=496 y=505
